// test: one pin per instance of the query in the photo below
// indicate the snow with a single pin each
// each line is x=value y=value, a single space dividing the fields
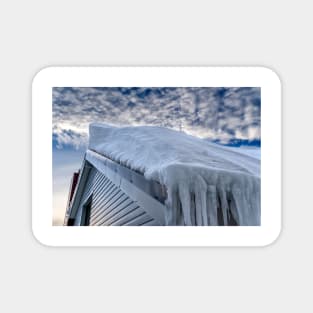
x=199 y=175
x=250 y=151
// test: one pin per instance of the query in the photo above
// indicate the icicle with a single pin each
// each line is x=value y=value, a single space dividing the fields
x=258 y=205
x=201 y=202
x=253 y=210
x=212 y=205
x=193 y=209
x=184 y=195
x=172 y=207
x=224 y=205
x=233 y=208
x=241 y=205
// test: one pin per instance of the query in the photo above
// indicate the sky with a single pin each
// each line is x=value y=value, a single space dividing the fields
x=229 y=116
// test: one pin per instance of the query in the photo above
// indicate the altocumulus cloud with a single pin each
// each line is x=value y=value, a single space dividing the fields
x=219 y=114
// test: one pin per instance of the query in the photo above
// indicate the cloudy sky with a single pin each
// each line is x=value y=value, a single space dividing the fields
x=225 y=115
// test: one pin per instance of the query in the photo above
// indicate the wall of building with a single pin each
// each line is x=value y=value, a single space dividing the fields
x=110 y=205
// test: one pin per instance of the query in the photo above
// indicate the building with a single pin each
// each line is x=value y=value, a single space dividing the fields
x=135 y=176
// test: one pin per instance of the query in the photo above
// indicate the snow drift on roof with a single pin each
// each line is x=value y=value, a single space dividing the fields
x=193 y=170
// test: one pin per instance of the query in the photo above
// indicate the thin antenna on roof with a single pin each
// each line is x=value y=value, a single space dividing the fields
x=176 y=117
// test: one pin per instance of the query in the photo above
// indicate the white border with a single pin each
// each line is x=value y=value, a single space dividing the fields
x=51 y=77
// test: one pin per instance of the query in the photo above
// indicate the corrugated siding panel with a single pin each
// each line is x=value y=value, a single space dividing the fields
x=110 y=205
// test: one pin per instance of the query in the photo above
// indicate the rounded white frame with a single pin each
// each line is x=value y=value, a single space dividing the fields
x=51 y=77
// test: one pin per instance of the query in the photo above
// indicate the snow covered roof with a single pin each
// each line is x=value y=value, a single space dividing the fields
x=150 y=149
x=186 y=165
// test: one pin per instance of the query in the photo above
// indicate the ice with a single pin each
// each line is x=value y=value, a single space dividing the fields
x=200 y=176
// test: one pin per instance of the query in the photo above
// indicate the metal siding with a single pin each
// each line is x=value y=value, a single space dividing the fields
x=110 y=205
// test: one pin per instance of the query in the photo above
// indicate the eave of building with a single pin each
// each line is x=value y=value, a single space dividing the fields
x=149 y=194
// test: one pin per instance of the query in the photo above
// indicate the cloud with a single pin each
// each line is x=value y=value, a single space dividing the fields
x=221 y=114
